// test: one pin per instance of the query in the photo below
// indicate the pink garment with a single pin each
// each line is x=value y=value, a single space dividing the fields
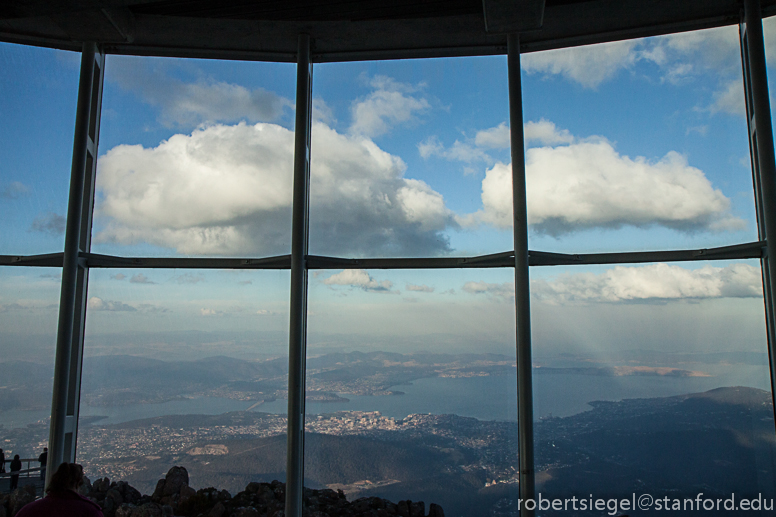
x=68 y=504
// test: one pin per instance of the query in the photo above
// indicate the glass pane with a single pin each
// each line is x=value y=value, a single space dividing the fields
x=652 y=379
x=398 y=157
x=636 y=145
x=195 y=158
x=769 y=37
x=179 y=367
x=38 y=94
x=29 y=303
x=413 y=374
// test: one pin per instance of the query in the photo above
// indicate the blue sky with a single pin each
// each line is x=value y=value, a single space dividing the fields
x=632 y=145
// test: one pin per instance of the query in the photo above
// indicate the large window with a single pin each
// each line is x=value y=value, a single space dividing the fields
x=38 y=90
x=649 y=378
x=636 y=145
x=195 y=158
x=164 y=345
x=29 y=299
x=401 y=370
x=652 y=379
x=402 y=364
x=399 y=153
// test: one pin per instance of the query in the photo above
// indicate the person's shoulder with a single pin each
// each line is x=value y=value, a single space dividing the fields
x=86 y=507
x=95 y=509
x=35 y=508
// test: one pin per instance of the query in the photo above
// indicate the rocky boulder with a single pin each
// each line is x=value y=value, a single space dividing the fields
x=173 y=497
x=19 y=498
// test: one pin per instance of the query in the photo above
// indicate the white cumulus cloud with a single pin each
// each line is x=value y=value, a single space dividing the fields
x=588 y=184
x=360 y=279
x=494 y=137
x=544 y=132
x=226 y=190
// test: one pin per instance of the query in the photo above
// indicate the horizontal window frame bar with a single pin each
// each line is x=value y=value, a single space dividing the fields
x=748 y=250
x=110 y=261
x=44 y=260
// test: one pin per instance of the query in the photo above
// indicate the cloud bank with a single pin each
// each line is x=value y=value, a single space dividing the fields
x=653 y=282
x=656 y=283
x=227 y=189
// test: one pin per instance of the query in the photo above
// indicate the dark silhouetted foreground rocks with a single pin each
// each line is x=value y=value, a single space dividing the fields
x=174 y=497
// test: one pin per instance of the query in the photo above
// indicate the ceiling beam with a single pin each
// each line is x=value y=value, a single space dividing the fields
x=564 y=23
x=507 y=16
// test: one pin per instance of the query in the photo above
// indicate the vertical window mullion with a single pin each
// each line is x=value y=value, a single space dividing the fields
x=763 y=160
x=297 y=346
x=75 y=273
x=522 y=290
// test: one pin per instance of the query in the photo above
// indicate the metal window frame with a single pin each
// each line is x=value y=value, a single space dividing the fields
x=76 y=260
x=66 y=392
x=747 y=250
x=300 y=230
x=525 y=435
x=761 y=152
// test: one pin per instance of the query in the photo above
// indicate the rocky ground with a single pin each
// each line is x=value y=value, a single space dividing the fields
x=174 y=497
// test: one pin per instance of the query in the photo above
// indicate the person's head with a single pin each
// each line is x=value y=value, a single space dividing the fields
x=16 y=457
x=69 y=476
x=45 y=449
